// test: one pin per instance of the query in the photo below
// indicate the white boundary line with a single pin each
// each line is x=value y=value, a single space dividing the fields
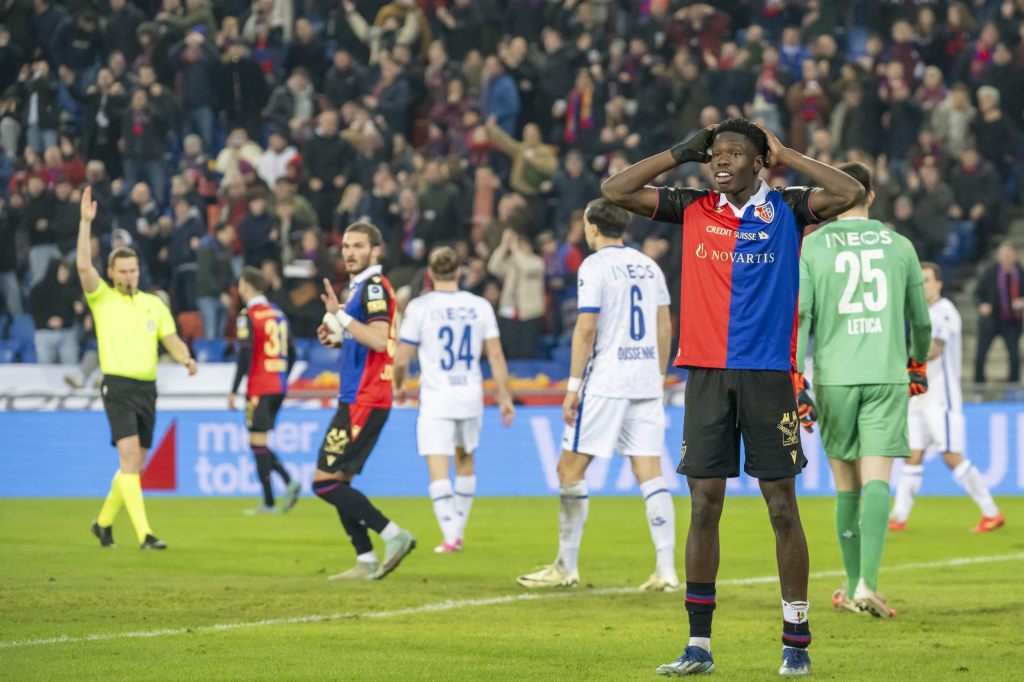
x=450 y=605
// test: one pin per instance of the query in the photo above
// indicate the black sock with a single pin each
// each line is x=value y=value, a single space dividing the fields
x=796 y=634
x=264 y=465
x=356 y=512
x=700 y=607
x=281 y=471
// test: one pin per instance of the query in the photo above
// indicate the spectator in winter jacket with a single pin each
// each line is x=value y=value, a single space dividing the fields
x=291 y=105
x=40 y=113
x=242 y=91
x=328 y=161
x=143 y=133
x=214 y=277
x=123 y=20
x=196 y=64
x=257 y=231
x=52 y=302
x=499 y=96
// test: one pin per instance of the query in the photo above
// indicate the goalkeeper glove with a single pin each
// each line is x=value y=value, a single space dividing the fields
x=918 y=377
x=804 y=405
x=693 y=149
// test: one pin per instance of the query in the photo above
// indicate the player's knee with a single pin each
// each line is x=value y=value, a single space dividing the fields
x=705 y=512
x=570 y=471
x=783 y=514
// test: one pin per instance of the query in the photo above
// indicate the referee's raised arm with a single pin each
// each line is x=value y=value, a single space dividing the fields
x=83 y=252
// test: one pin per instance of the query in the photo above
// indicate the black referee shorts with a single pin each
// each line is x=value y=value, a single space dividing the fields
x=261 y=411
x=130 y=405
x=724 y=406
x=350 y=438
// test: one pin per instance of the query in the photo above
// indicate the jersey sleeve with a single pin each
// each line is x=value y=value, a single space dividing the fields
x=375 y=303
x=805 y=309
x=409 y=332
x=489 y=322
x=164 y=321
x=588 y=287
x=917 y=308
x=98 y=294
x=798 y=200
x=672 y=201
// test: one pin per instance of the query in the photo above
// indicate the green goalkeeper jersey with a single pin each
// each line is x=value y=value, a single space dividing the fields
x=859 y=283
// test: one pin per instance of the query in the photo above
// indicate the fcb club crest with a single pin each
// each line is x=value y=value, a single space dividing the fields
x=765 y=212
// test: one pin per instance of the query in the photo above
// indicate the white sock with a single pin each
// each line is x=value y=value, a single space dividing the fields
x=906 y=489
x=367 y=558
x=661 y=520
x=968 y=476
x=390 y=531
x=443 y=499
x=703 y=642
x=572 y=514
x=465 y=489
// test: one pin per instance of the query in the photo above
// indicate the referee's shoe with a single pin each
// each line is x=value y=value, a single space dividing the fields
x=105 y=534
x=152 y=542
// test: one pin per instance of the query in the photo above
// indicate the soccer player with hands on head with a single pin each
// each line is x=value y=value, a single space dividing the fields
x=738 y=307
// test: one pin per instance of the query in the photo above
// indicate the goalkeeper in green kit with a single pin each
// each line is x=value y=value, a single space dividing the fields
x=860 y=282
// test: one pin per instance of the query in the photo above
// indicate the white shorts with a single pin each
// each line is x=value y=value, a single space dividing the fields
x=440 y=436
x=630 y=427
x=936 y=429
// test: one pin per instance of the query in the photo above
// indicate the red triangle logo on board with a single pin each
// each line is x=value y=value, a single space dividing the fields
x=161 y=472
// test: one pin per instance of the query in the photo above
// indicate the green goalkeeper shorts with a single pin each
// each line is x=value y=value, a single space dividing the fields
x=863 y=421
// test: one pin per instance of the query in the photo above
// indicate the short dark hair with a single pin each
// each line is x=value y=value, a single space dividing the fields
x=746 y=128
x=221 y=226
x=859 y=172
x=252 y=276
x=121 y=252
x=934 y=267
x=609 y=219
x=444 y=263
x=369 y=229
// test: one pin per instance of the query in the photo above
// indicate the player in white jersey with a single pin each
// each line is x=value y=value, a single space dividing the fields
x=936 y=419
x=449 y=328
x=620 y=349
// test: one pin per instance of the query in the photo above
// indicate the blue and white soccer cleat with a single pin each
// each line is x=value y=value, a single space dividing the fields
x=694 y=661
x=795 y=662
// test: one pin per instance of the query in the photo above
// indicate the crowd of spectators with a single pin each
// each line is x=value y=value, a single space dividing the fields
x=217 y=133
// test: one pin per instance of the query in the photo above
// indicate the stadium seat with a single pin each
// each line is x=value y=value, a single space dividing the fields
x=324 y=357
x=210 y=350
x=302 y=348
x=27 y=352
x=190 y=326
x=8 y=351
x=23 y=330
x=562 y=354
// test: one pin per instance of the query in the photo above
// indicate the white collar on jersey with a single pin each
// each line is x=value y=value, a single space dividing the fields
x=756 y=199
x=257 y=300
x=365 y=275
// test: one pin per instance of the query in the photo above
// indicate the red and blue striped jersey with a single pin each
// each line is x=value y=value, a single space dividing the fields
x=740 y=275
x=366 y=374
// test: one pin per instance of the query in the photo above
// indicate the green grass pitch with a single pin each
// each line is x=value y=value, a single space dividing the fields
x=244 y=598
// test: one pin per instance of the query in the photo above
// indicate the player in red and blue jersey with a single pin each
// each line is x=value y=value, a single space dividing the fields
x=738 y=320
x=366 y=323
x=266 y=354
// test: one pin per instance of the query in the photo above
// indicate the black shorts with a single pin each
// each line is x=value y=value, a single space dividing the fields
x=261 y=411
x=131 y=408
x=350 y=438
x=724 y=405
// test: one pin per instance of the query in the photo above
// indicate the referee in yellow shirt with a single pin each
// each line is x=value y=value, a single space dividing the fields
x=129 y=323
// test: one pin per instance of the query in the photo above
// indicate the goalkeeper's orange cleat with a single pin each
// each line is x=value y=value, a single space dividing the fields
x=989 y=524
x=897 y=526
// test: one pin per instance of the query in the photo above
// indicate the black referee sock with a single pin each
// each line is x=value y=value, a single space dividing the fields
x=700 y=607
x=265 y=459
